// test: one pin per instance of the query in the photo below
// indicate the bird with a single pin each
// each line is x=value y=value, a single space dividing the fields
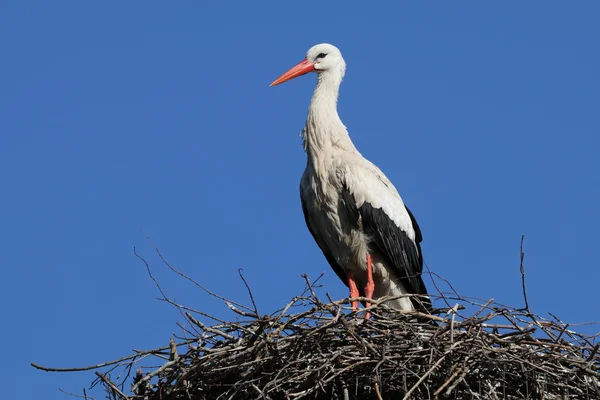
x=355 y=214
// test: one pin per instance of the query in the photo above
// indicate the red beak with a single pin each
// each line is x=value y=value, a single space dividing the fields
x=303 y=67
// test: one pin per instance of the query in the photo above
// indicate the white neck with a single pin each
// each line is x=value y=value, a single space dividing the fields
x=324 y=133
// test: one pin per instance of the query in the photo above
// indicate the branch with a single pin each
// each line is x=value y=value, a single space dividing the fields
x=522 y=268
x=112 y=385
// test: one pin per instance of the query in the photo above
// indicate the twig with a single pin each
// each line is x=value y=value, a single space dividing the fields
x=112 y=385
x=153 y=374
x=425 y=375
x=135 y=253
x=105 y=364
x=249 y=292
x=84 y=396
x=450 y=379
x=175 y=270
x=377 y=391
x=522 y=268
x=208 y=328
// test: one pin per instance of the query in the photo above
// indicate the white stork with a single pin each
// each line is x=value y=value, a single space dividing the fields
x=355 y=214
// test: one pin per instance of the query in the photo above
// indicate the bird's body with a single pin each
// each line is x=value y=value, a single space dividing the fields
x=353 y=211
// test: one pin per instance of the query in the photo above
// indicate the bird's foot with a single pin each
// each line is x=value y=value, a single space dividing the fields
x=353 y=290
x=370 y=286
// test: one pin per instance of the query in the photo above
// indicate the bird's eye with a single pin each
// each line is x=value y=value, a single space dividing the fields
x=322 y=55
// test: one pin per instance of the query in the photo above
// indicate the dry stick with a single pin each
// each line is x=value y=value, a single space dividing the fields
x=445 y=281
x=165 y=298
x=287 y=306
x=453 y=311
x=172 y=268
x=262 y=395
x=426 y=374
x=562 y=331
x=241 y=312
x=301 y=296
x=84 y=396
x=457 y=381
x=485 y=306
x=105 y=364
x=441 y=388
x=150 y=272
x=128 y=368
x=593 y=353
x=522 y=268
x=377 y=391
x=186 y=331
x=208 y=328
x=310 y=288
x=568 y=332
x=112 y=385
x=153 y=374
x=249 y=292
x=437 y=287
x=173 y=350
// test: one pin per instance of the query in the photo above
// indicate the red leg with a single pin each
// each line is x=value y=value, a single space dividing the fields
x=370 y=287
x=353 y=290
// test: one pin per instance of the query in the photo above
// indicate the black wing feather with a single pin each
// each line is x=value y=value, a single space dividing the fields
x=391 y=241
x=418 y=237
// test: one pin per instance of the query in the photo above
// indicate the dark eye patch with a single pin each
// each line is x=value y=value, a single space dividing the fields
x=322 y=55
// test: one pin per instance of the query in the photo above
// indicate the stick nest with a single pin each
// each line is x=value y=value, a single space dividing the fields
x=316 y=349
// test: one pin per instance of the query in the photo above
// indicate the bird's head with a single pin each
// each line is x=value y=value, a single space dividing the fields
x=322 y=58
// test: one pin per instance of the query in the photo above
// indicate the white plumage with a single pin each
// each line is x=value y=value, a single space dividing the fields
x=353 y=211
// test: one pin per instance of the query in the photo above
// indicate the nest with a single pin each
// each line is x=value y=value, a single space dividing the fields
x=319 y=349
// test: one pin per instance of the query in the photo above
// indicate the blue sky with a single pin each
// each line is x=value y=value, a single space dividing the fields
x=144 y=116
